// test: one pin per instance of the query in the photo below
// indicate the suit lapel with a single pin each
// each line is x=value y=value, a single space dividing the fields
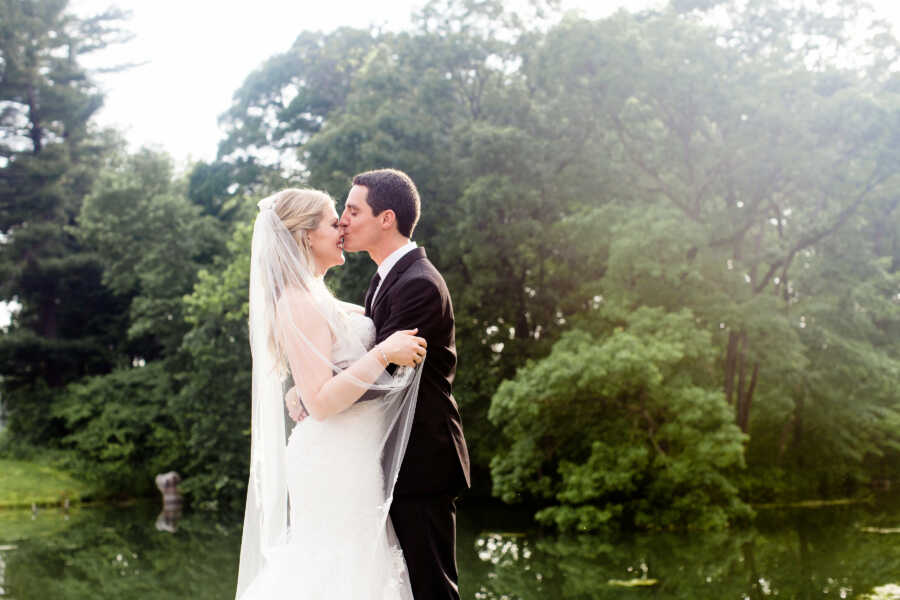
x=404 y=263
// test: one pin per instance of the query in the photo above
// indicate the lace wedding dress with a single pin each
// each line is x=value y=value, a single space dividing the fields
x=340 y=544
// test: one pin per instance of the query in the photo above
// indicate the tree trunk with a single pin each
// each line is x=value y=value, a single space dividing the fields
x=783 y=440
x=744 y=416
x=798 y=426
x=738 y=406
x=36 y=132
x=739 y=393
x=730 y=353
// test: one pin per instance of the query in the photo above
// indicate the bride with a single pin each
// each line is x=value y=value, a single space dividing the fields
x=316 y=523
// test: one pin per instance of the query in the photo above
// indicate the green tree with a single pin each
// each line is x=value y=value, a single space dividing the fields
x=212 y=407
x=730 y=166
x=762 y=155
x=151 y=241
x=69 y=325
x=627 y=427
x=286 y=100
x=122 y=432
x=219 y=187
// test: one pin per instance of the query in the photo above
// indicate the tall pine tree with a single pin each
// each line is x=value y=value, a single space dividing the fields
x=68 y=325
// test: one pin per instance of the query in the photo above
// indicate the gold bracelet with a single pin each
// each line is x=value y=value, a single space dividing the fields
x=383 y=355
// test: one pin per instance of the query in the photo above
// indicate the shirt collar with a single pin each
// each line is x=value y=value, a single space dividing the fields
x=394 y=257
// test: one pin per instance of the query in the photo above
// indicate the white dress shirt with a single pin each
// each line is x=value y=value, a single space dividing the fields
x=387 y=264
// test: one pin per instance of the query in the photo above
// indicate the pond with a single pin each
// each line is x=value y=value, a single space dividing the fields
x=131 y=552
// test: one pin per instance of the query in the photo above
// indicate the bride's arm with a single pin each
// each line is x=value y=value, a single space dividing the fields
x=323 y=393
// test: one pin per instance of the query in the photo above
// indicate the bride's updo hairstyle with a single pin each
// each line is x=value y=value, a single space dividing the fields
x=301 y=211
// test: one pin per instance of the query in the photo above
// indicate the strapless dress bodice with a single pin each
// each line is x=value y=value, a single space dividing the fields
x=346 y=351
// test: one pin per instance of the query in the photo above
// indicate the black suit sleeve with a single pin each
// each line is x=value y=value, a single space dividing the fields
x=417 y=304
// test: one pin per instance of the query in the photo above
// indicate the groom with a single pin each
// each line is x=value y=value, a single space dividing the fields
x=407 y=292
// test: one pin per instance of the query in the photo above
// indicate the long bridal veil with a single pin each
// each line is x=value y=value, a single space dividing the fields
x=279 y=266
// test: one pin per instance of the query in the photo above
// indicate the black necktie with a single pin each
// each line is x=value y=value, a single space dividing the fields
x=373 y=285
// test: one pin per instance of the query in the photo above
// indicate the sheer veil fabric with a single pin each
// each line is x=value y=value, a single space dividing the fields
x=290 y=490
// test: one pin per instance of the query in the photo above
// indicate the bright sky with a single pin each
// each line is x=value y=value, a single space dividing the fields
x=198 y=52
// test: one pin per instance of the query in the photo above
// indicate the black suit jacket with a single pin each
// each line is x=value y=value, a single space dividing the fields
x=412 y=295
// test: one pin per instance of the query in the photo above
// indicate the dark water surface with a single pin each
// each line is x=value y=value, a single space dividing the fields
x=124 y=553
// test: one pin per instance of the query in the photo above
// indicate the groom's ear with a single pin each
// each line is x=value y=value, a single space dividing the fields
x=388 y=219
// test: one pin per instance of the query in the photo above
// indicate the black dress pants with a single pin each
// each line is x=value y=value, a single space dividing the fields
x=426 y=530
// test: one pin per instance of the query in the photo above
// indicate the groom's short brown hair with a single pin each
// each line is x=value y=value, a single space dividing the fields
x=390 y=189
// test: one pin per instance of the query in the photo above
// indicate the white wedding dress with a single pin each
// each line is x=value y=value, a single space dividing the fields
x=340 y=544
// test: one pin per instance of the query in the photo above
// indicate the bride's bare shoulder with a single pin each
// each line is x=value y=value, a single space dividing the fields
x=295 y=300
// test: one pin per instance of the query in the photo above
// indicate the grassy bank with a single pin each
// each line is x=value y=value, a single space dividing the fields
x=23 y=483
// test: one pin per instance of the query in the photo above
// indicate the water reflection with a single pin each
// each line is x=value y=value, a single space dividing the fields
x=848 y=552
x=167 y=520
x=167 y=483
x=118 y=553
x=790 y=554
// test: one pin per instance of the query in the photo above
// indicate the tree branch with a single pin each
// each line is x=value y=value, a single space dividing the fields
x=814 y=238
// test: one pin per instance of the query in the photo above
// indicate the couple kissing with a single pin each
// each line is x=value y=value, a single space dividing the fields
x=356 y=497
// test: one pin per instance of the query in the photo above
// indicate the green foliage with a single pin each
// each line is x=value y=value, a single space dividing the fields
x=286 y=100
x=217 y=187
x=213 y=405
x=69 y=326
x=668 y=159
x=121 y=428
x=622 y=427
x=672 y=239
x=151 y=241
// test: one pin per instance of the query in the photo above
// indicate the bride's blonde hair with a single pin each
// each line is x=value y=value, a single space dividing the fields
x=301 y=211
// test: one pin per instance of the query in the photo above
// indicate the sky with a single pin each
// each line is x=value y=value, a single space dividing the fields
x=194 y=54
